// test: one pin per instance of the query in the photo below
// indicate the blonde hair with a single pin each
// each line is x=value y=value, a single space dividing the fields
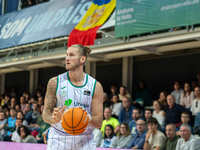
x=84 y=50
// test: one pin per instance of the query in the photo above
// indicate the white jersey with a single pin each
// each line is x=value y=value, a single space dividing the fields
x=74 y=96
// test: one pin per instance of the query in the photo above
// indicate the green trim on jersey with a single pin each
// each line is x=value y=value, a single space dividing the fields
x=57 y=84
x=94 y=88
x=75 y=85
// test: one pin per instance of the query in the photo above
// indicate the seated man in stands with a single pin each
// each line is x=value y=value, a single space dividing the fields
x=123 y=93
x=15 y=135
x=174 y=111
x=28 y=113
x=172 y=138
x=133 y=123
x=34 y=115
x=138 y=140
x=187 y=140
x=177 y=91
x=185 y=118
x=154 y=138
x=10 y=124
x=125 y=114
x=109 y=120
x=3 y=121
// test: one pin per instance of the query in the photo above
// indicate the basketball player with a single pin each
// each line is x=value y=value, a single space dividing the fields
x=73 y=88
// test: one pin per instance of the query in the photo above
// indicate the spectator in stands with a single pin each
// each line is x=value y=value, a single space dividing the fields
x=158 y=113
x=172 y=138
x=40 y=101
x=109 y=120
x=177 y=91
x=105 y=100
x=35 y=114
x=154 y=138
x=20 y=115
x=6 y=101
x=125 y=114
x=114 y=91
x=97 y=137
x=38 y=123
x=197 y=123
x=10 y=124
x=136 y=114
x=27 y=96
x=116 y=106
x=28 y=113
x=195 y=107
x=143 y=94
x=187 y=96
x=3 y=121
x=124 y=137
x=163 y=100
x=17 y=108
x=194 y=83
x=123 y=93
x=31 y=101
x=13 y=102
x=109 y=135
x=187 y=140
x=15 y=135
x=138 y=140
x=174 y=111
x=185 y=118
x=25 y=135
x=7 y=111
x=22 y=103
x=43 y=128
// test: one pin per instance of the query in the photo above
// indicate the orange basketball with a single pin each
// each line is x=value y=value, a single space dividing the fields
x=74 y=121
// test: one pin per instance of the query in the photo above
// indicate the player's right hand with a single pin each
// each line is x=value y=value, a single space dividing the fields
x=57 y=114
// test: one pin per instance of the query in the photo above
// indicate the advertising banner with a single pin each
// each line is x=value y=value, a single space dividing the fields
x=142 y=16
x=41 y=22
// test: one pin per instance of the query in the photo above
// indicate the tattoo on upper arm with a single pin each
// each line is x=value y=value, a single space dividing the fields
x=50 y=97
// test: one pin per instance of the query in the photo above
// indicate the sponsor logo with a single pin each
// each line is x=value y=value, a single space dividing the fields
x=68 y=102
x=77 y=104
x=87 y=93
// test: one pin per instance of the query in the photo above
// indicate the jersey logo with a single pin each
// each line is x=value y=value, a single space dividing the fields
x=68 y=102
x=63 y=94
x=87 y=93
x=63 y=87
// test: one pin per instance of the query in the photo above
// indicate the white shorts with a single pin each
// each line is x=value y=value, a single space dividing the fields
x=60 y=141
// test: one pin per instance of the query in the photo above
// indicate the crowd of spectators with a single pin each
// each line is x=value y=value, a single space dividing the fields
x=171 y=122
x=21 y=118
x=28 y=3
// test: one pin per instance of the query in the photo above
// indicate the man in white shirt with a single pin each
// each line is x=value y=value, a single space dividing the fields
x=187 y=140
x=154 y=138
x=195 y=106
x=15 y=135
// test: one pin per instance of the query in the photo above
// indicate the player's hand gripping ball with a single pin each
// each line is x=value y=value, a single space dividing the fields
x=75 y=120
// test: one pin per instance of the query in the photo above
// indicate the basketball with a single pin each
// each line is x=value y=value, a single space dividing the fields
x=74 y=121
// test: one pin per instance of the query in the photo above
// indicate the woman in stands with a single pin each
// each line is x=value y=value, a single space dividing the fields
x=187 y=96
x=109 y=135
x=116 y=106
x=163 y=100
x=25 y=135
x=124 y=137
x=158 y=113
x=21 y=116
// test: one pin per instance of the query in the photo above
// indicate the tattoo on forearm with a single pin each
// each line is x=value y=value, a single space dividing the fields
x=50 y=100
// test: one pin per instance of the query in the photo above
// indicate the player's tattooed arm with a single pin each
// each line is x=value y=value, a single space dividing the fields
x=50 y=101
